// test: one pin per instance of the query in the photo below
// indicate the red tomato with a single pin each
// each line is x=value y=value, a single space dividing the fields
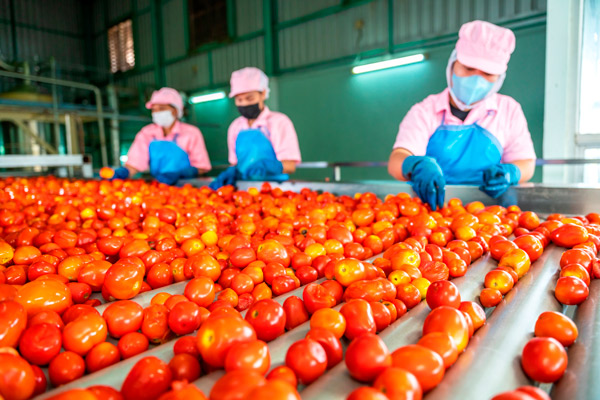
x=41 y=383
x=13 y=320
x=84 y=333
x=366 y=357
x=283 y=373
x=185 y=367
x=425 y=364
x=569 y=235
x=122 y=317
x=475 y=311
x=330 y=343
x=544 y=359
x=556 y=325
x=490 y=297
x=148 y=379
x=40 y=343
x=186 y=345
x=571 y=290
x=131 y=344
x=44 y=295
x=66 y=367
x=451 y=321
x=249 y=356
x=218 y=334
x=101 y=356
x=369 y=393
x=124 y=279
x=398 y=383
x=184 y=318
x=442 y=344
x=434 y=271
x=50 y=317
x=535 y=392
x=236 y=385
x=531 y=245
x=443 y=293
x=335 y=289
x=274 y=389
x=273 y=251
x=359 y=318
x=307 y=359
x=155 y=325
x=316 y=297
x=268 y=318
x=408 y=294
x=105 y=392
x=17 y=378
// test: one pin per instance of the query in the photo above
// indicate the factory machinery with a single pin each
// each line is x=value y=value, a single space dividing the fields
x=491 y=362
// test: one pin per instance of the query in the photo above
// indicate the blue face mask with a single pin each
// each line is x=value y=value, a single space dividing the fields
x=470 y=89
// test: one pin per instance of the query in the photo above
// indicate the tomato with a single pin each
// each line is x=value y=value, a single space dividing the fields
x=500 y=247
x=44 y=295
x=80 y=335
x=122 y=317
x=518 y=260
x=408 y=294
x=449 y=320
x=285 y=374
x=236 y=385
x=434 y=271
x=569 y=235
x=204 y=265
x=155 y=325
x=66 y=367
x=499 y=279
x=105 y=392
x=242 y=257
x=475 y=311
x=544 y=359
x=577 y=256
x=40 y=343
x=531 y=245
x=535 y=392
x=26 y=255
x=131 y=344
x=101 y=356
x=17 y=378
x=268 y=318
x=366 y=357
x=490 y=297
x=124 y=279
x=359 y=318
x=13 y=320
x=398 y=383
x=571 y=290
x=381 y=314
x=443 y=293
x=248 y=356
x=185 y=367
x=442 y=344
x=425 y=364
x=185 y=317
x=218 y=334
x=558 y=326
x=316 y=297
x=295 y=312
x=331 y=345
x=529 y=220
x=273 y=251
x=275 y=390
x=368 y=393
x=148 y=379
x=307 y=359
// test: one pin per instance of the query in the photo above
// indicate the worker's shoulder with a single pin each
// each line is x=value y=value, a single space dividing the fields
x=507 y=102
x=276 y=116
x=188 y=128
x=431 y=102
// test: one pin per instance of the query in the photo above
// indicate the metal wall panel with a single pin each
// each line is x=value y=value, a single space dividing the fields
x=118 y=10
x=250 y=53
x=290 y=9
x=101 y=53
x=249 y=15
x=34 y=44
x=334 y=36
x=98 y=18
x=143 y=35
x=6 y=50
x=142 y=4
x=422 y=19
x=145 y=79
x=60 y=15
x=172 y=17
x=4 y=9
x=189 y=74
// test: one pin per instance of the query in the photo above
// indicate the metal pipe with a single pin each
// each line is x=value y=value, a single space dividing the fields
x=582 y=378
x=56 y=122
x=76 y=85
x=501 y=340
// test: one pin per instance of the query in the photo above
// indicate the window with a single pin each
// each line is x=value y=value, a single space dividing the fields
x=208 y=21
x=120 y=47
x=589 y=122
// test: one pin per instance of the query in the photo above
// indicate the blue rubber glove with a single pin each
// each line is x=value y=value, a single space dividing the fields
x=263 y=169
x=121 y=173
x=498 y=178
x=227 y=177
x=169 y=178
x=188 y=173
x=427 y=179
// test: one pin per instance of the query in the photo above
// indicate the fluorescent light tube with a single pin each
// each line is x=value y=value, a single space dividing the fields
x=396 y=62
x=203 y=98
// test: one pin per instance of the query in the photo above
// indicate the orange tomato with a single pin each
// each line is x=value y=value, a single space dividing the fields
x=558 y=326
x=451 y=321
x=329 y=319
x=348 y=271
x=516 y=259
x=499 y=279
x=44 y=295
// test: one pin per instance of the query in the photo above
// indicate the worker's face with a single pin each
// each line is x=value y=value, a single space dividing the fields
x=164 y=107
x=462 y=71
x=247 y=99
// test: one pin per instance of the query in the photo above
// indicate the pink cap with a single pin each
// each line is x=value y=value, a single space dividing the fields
x=485 y=46
x=167 y=96
x=249 y=79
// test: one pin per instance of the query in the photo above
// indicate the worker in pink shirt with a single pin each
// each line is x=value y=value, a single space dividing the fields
x=262 y=144
x=169 y=148
x=467 y=134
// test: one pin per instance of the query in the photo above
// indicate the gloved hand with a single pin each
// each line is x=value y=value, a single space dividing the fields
x=168 y=178
x=498 y=178
x=188 y=173
x=427 y=179
x=263 y=169
x=227 y=177
x=121 y=173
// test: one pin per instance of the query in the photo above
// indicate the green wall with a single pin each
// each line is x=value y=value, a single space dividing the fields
x=345 y=117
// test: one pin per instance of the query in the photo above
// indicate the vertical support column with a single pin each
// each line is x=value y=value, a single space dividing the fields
x=561 y=111
x=269 y=37
x=157 y=42
x=115 y=142
x=13 y=29
x=390 y=26
x=231 y=19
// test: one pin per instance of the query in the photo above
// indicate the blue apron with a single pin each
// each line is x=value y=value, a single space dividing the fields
x=251 y=146
x=167 y=157
x=464 y=152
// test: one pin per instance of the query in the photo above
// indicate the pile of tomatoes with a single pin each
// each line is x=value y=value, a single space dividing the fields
x=68 y=246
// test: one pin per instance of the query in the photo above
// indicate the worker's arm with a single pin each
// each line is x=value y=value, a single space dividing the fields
x=202 y=171
x=132 y=171
x=527 y=168
x=395 y=163
x=289 y=166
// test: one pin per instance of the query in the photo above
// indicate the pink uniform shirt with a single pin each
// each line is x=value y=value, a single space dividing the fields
x=501 y=115
x=189 y=138
x=277 y=127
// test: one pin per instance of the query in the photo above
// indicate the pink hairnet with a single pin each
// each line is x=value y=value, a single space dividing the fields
x=169 y=97
x=249 y=79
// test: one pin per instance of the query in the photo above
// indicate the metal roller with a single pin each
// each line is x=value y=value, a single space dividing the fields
x=582 y=378
x=491 y=364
